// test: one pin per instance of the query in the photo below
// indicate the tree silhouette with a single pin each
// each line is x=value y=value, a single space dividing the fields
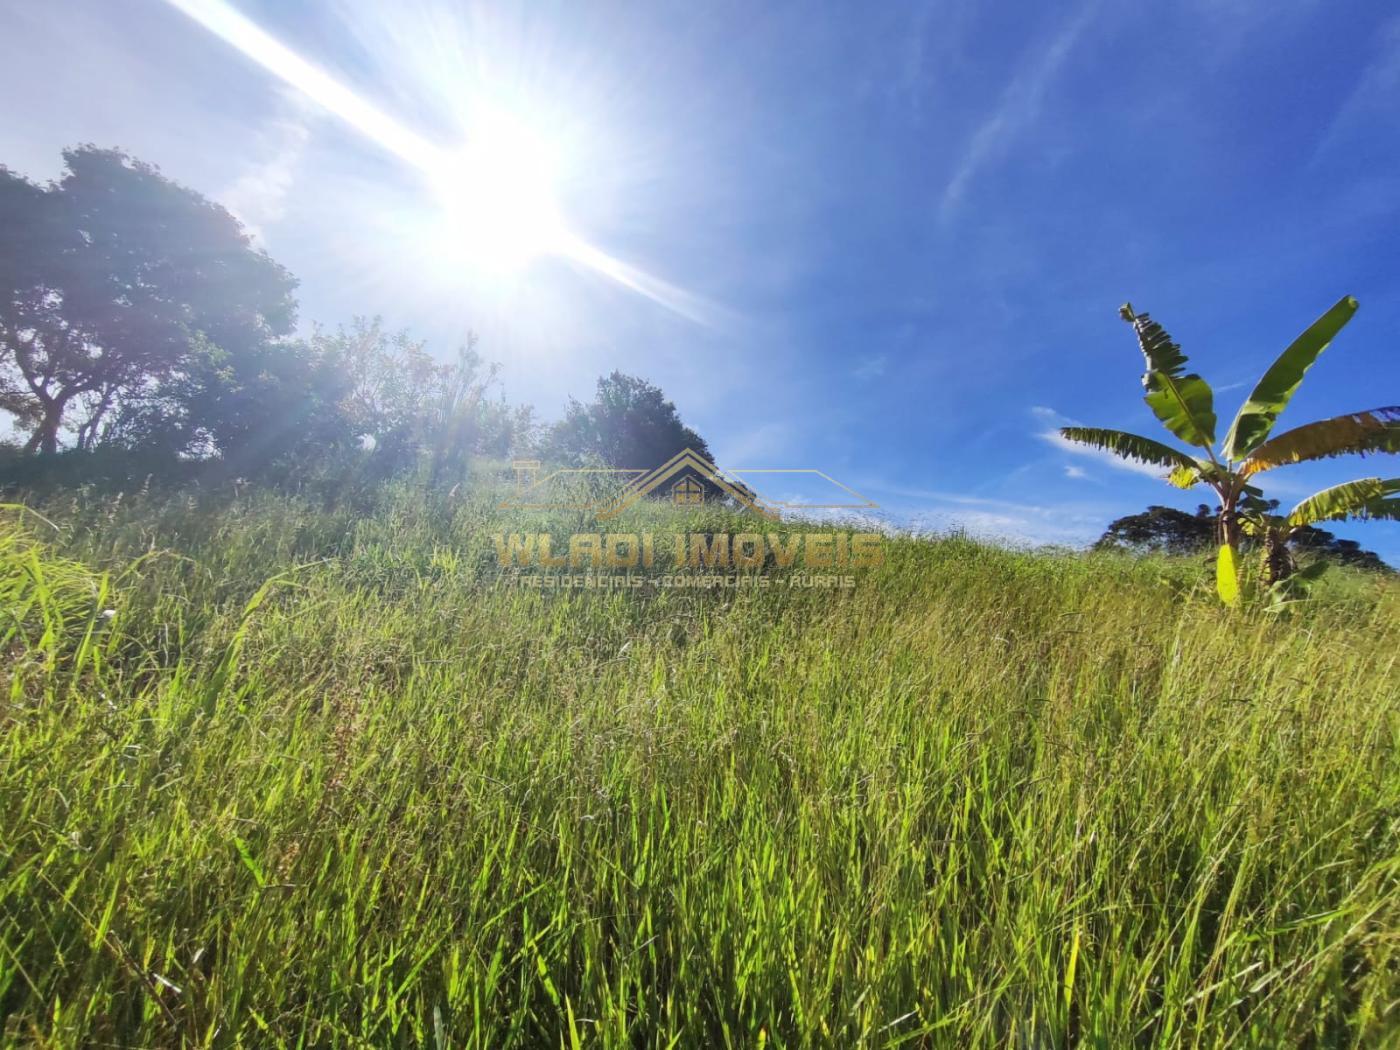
x=630 y=424
x=114 y=281
x=1166 y=530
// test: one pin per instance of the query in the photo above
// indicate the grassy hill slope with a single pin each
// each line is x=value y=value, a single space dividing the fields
x=274 y=774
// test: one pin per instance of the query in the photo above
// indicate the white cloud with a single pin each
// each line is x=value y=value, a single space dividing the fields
x=258 y=196
x=1077 y=473
x=930 y=511
x=1067 y=524
x=921 y=495
x=934 y=39
x=1108 y=459
x=761 y=445
x=1375 y=99
x=1052 y=435
x=1020 y=105
x=871 y=367
x=924 y=510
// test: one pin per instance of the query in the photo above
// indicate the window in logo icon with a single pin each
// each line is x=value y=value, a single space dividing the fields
x=687 y=492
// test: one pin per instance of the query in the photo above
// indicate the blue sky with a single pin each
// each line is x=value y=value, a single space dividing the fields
x=898 y=233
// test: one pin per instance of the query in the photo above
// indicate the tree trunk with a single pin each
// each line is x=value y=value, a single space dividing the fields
x=44 y=440
x=1227 y=529
x=1278 y=559
x=87 y=430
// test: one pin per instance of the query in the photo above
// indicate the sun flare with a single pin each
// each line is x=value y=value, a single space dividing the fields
x=499 y=198
x=494 y=205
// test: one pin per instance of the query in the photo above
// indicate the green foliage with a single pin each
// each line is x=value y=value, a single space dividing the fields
x=1351 y=499
x=986 y=798
x=138 y=317
x=1182 y=401
x=410 y=409
x=1161 y=530
x=630 y=424
x=114 y=280
x=1166 y=530
x=1356 y=433
x=1379 y=510
x=1131 y=447
x=1275 y=388
x=343 y=408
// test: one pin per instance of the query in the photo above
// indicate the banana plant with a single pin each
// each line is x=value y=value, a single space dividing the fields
x=1185 y=405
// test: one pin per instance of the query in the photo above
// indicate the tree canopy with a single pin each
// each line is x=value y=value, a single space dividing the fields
x=629 y=424
x=114 y=282
x=136 y=316
x=1166 y=530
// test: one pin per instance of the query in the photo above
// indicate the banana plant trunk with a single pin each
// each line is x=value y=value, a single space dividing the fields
x=1227 y=530
x=1227 y=538
x=1278 y=559
x=1227 y=523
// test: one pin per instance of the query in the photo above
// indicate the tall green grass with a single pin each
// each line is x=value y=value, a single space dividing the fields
x=274 y=774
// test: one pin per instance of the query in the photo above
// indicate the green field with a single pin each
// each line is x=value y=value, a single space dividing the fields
x=273 y=774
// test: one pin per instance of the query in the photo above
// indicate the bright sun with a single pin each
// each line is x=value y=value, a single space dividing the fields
x=498 y=196
x=495 y=205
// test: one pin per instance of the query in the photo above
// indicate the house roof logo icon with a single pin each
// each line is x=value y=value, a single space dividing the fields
x=630 y=486
x=686 y=464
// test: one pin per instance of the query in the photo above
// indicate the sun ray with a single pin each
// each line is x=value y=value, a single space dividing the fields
x=236 y=29
x=677 y=300
x=539 y=229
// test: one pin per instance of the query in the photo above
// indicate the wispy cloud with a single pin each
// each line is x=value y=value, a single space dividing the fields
x=923 y=510
x=935 y=37
x=1020 y=104
x=1376 y=96
x=1052 y=421
x=871 y=367
x=759 y=444
x=911 y=494
x=1065 y=527
x=258 y=196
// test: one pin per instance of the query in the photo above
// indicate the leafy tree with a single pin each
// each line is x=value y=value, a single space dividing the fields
x=274 y=407
x=405 y=406
x=115 y=281
x=629 y=424
x=1166 y=530
x=1329 y=547
x=1160 y=530
x=1184 y=403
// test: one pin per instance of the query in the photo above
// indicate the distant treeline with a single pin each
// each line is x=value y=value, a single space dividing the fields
x=1166 y=530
